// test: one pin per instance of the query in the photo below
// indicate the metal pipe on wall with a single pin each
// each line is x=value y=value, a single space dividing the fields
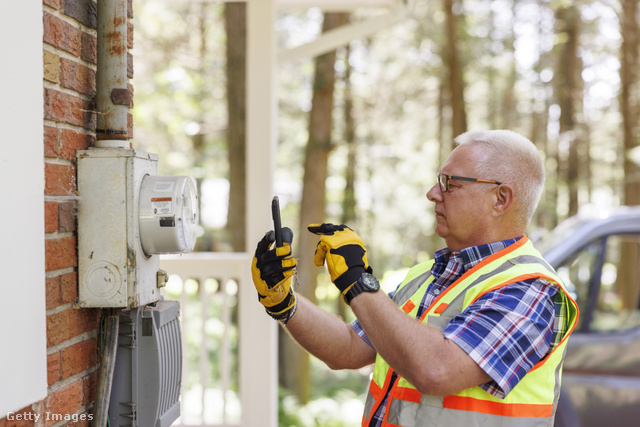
x=113 y=98
x=107 y=365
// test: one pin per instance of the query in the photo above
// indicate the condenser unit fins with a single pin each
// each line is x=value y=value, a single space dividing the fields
x=148 y=368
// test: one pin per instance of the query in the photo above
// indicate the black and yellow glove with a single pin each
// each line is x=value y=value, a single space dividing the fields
x=344 y=253
x=272 y=271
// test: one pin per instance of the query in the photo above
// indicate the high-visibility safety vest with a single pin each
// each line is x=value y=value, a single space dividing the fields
x=532 y=402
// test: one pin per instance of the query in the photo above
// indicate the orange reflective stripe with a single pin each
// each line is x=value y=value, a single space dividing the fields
x=520 y=278
x=378 y=392
x=496 y=408
x=475 y=268
x=440 y=309
x=409 y=394
x=410 y=305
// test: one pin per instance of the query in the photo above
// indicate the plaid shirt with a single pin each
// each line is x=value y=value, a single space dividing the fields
x=506 y=332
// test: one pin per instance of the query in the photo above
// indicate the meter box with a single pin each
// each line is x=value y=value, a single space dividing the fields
x=114 y=270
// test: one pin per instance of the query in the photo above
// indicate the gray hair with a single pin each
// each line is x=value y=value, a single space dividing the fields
x=514 y=160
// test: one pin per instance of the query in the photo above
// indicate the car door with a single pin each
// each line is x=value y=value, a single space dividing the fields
x=601 y=379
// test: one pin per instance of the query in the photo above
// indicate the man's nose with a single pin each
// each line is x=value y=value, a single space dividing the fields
x=434 y=194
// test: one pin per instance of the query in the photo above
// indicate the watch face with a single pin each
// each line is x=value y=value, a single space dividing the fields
x=370 y=281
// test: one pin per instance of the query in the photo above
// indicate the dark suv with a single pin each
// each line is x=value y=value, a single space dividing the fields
x=598 y=256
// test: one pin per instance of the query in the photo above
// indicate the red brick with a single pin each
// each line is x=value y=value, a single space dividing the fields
x=60 y=216
x=79 y=357
x=130 y=35
x=52 y=3
x=77 y=77
x=60 y=253
x=51 y=142
x=129 y=66
x=71 y=141
x=129 y=125
x=59 y=180
x=65 y=401
x=53 y=299
x=70 y=323
x=53 y=368
x=90 y=387
x=67 y=216
x=84 y=11
x=50 y=217
x=62 y=35
x=62 y=107
x=69 y=287
x=89 y=48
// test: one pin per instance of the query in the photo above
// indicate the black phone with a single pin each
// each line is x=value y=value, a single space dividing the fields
x=277 y=224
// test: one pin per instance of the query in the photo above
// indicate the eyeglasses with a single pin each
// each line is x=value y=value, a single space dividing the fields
x=443 y=181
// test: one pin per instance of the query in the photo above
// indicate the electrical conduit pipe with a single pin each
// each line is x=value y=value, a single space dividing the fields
x=113 y=98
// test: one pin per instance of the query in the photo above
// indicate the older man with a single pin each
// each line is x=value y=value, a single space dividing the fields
x=474 y=337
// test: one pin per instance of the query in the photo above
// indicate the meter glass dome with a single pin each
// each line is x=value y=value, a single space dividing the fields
x=168 y=214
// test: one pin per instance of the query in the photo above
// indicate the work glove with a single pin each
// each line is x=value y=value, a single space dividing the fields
x=344 y=253
x=272 y=271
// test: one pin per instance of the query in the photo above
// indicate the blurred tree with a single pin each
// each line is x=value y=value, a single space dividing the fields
x=629 y=106
x=569 y=95
x=546 y=217
x=452 y=8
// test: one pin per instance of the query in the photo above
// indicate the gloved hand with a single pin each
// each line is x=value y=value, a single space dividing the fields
x=272 y=271
x=344 y=253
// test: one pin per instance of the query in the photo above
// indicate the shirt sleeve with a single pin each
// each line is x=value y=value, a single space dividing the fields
x=507 y=331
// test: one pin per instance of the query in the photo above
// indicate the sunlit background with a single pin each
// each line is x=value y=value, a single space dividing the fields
x=511 y=57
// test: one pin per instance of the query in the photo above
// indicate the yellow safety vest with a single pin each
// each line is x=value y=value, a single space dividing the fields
x=532 y=402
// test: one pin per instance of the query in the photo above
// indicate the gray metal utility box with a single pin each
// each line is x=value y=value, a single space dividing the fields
x=148 y=367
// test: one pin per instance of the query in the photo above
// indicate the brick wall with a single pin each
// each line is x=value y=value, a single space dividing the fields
x=69 y=61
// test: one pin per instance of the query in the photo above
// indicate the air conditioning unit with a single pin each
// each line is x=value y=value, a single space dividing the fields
x=148 y=367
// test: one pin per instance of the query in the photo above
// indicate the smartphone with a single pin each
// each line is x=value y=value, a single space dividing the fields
x=277 y=224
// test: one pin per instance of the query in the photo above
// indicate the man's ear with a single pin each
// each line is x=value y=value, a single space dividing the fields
x=504 y=199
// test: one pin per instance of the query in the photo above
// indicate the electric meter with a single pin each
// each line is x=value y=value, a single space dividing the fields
x=168 y=214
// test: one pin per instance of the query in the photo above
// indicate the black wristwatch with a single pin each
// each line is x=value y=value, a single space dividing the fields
x=366 y=283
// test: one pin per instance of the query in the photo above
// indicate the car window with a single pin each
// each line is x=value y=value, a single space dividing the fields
x=604 y=278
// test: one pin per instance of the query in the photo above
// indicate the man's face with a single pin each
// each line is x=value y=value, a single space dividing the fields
x=463 y=213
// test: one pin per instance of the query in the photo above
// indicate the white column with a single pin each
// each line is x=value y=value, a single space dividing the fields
x=258 y=333
x=23 y=363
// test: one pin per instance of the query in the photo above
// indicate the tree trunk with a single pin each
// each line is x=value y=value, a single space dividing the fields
x=509 y=102
x=295 y=365
x=235 y=24
x=455 y=78
x=568 y=21
x=628 y=274
x=629 y=99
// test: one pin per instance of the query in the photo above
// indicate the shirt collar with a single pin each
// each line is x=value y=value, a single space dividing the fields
x=470 y=256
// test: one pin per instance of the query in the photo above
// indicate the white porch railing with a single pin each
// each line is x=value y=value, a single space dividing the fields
x=208 y=287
